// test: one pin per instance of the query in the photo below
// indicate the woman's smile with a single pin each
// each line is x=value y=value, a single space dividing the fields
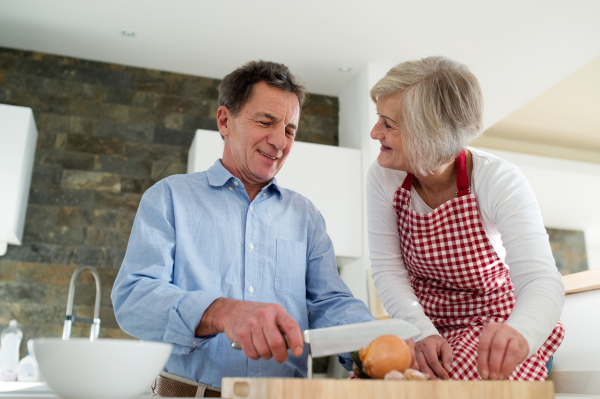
x=385 y=147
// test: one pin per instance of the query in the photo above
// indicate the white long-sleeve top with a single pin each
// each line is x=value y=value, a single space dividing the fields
x=512 y=221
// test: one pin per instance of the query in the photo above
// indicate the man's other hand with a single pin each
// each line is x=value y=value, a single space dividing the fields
x=256 y=326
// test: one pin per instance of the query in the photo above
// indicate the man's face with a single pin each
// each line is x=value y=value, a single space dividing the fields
x=259 y=138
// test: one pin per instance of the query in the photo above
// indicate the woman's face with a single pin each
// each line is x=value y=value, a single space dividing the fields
x=387 y=131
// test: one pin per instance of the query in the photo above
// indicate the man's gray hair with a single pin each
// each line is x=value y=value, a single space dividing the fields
x=441 y=109
x=235 y=90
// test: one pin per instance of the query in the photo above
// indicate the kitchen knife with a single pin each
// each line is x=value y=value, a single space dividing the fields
x=351 y=337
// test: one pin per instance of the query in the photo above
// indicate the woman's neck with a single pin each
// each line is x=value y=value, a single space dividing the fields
x=440 y=186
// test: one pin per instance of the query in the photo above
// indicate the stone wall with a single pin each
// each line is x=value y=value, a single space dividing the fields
x=106 y=133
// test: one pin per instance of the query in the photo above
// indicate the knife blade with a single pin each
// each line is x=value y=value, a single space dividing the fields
x=351 y=337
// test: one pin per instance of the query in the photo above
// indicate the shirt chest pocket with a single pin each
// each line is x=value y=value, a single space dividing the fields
x=290 y=272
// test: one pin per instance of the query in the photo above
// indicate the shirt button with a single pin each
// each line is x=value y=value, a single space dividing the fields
x=251 y=290
x=235 y=182
x=264 y=194
x=251 y=246
x=230 y=188
x=251 y=208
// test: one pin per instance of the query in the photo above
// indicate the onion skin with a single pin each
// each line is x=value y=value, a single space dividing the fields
x=384 y=354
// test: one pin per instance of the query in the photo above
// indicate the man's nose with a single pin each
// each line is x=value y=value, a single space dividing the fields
x=277 y=138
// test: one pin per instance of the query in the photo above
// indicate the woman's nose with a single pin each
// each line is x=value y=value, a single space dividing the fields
x=376 y=133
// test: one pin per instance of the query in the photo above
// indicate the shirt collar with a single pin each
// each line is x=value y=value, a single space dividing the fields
x=217 y=176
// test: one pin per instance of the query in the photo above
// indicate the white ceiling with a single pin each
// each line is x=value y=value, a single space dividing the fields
x=566 y=115
x=517 y=48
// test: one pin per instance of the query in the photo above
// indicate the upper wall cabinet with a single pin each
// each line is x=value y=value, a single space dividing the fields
x=18 y=138
x=328 y=176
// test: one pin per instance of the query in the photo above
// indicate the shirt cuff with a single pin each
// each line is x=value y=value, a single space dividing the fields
x=346 y=361
x=427 y=333
x=533 y=348
x=183 y=320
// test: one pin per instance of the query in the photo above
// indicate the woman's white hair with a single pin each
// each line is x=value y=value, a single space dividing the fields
x=441 y=109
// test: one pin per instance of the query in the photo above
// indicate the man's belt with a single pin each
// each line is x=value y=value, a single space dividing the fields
x=169 y=389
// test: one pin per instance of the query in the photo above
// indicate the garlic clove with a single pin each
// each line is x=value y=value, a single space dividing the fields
x=394 y=375
x=415 y=375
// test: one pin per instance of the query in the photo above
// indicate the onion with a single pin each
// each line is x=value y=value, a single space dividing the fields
x=384 y=354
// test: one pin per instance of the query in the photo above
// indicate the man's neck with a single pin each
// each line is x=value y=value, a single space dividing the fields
x=251 y=188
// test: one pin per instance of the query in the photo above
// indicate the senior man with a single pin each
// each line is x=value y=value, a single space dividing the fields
x=229 y=255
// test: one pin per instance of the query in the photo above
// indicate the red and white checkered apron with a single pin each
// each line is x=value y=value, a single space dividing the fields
x=459 y=279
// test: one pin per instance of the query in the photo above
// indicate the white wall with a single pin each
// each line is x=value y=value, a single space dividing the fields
x=357 y=117
x=568 y=193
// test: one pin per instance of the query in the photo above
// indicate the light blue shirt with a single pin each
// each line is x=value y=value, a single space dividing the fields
x=196 y=238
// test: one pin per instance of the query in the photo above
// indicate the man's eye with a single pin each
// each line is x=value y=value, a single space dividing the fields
x=264 y=123
x=290 y=133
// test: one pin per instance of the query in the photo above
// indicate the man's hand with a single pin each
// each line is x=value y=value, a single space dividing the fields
x=429 y=352
x=501 y=349
x=256 y=326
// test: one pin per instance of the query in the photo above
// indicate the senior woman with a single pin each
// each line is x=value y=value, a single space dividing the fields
x=457 y=242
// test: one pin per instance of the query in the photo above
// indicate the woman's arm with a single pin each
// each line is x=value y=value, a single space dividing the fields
x=391 y=275
x=506 y=196
x=389 y=271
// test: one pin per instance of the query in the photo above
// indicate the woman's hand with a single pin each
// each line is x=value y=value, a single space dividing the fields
x=413 y=358
x=432 y=351
x=501 y=349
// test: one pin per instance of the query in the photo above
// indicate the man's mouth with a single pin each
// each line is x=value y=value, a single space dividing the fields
x=268 y=156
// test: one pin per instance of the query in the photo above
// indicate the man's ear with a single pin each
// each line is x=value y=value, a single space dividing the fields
x=223 y=120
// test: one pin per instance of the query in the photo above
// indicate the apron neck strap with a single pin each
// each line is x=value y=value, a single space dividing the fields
x=408 y=182
x=462 y=179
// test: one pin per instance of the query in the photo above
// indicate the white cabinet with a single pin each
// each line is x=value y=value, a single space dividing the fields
x=329 y=176
x=18 y=138
x=576 y=366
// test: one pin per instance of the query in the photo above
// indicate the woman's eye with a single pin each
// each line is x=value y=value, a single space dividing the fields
x=387 y=126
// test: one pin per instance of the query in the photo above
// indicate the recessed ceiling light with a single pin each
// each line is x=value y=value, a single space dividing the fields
x=345 y=69
x=128 y=32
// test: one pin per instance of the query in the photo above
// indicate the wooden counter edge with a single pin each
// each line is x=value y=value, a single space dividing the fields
x=582 y=281
x=287 y=388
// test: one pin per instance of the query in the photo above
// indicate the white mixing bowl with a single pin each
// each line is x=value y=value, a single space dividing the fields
x=105 y=368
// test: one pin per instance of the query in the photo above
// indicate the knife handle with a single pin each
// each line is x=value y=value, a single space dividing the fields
x=235 y=345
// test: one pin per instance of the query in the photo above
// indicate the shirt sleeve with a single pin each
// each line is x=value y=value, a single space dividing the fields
x=147 y=305
x=389 y=272
x=329 y=300
x=509 y=200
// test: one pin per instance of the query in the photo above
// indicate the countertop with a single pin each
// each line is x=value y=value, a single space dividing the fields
x=36 y=390
x=31 y=390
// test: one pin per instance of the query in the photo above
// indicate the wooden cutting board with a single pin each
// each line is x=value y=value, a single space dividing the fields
x=296 y=388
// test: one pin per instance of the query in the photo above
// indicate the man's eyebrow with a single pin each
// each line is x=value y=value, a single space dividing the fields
x=266 y=115
x=271 y=117
x=388 y=118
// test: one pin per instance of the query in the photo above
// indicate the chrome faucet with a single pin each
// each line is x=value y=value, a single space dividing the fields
x=70 y=319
